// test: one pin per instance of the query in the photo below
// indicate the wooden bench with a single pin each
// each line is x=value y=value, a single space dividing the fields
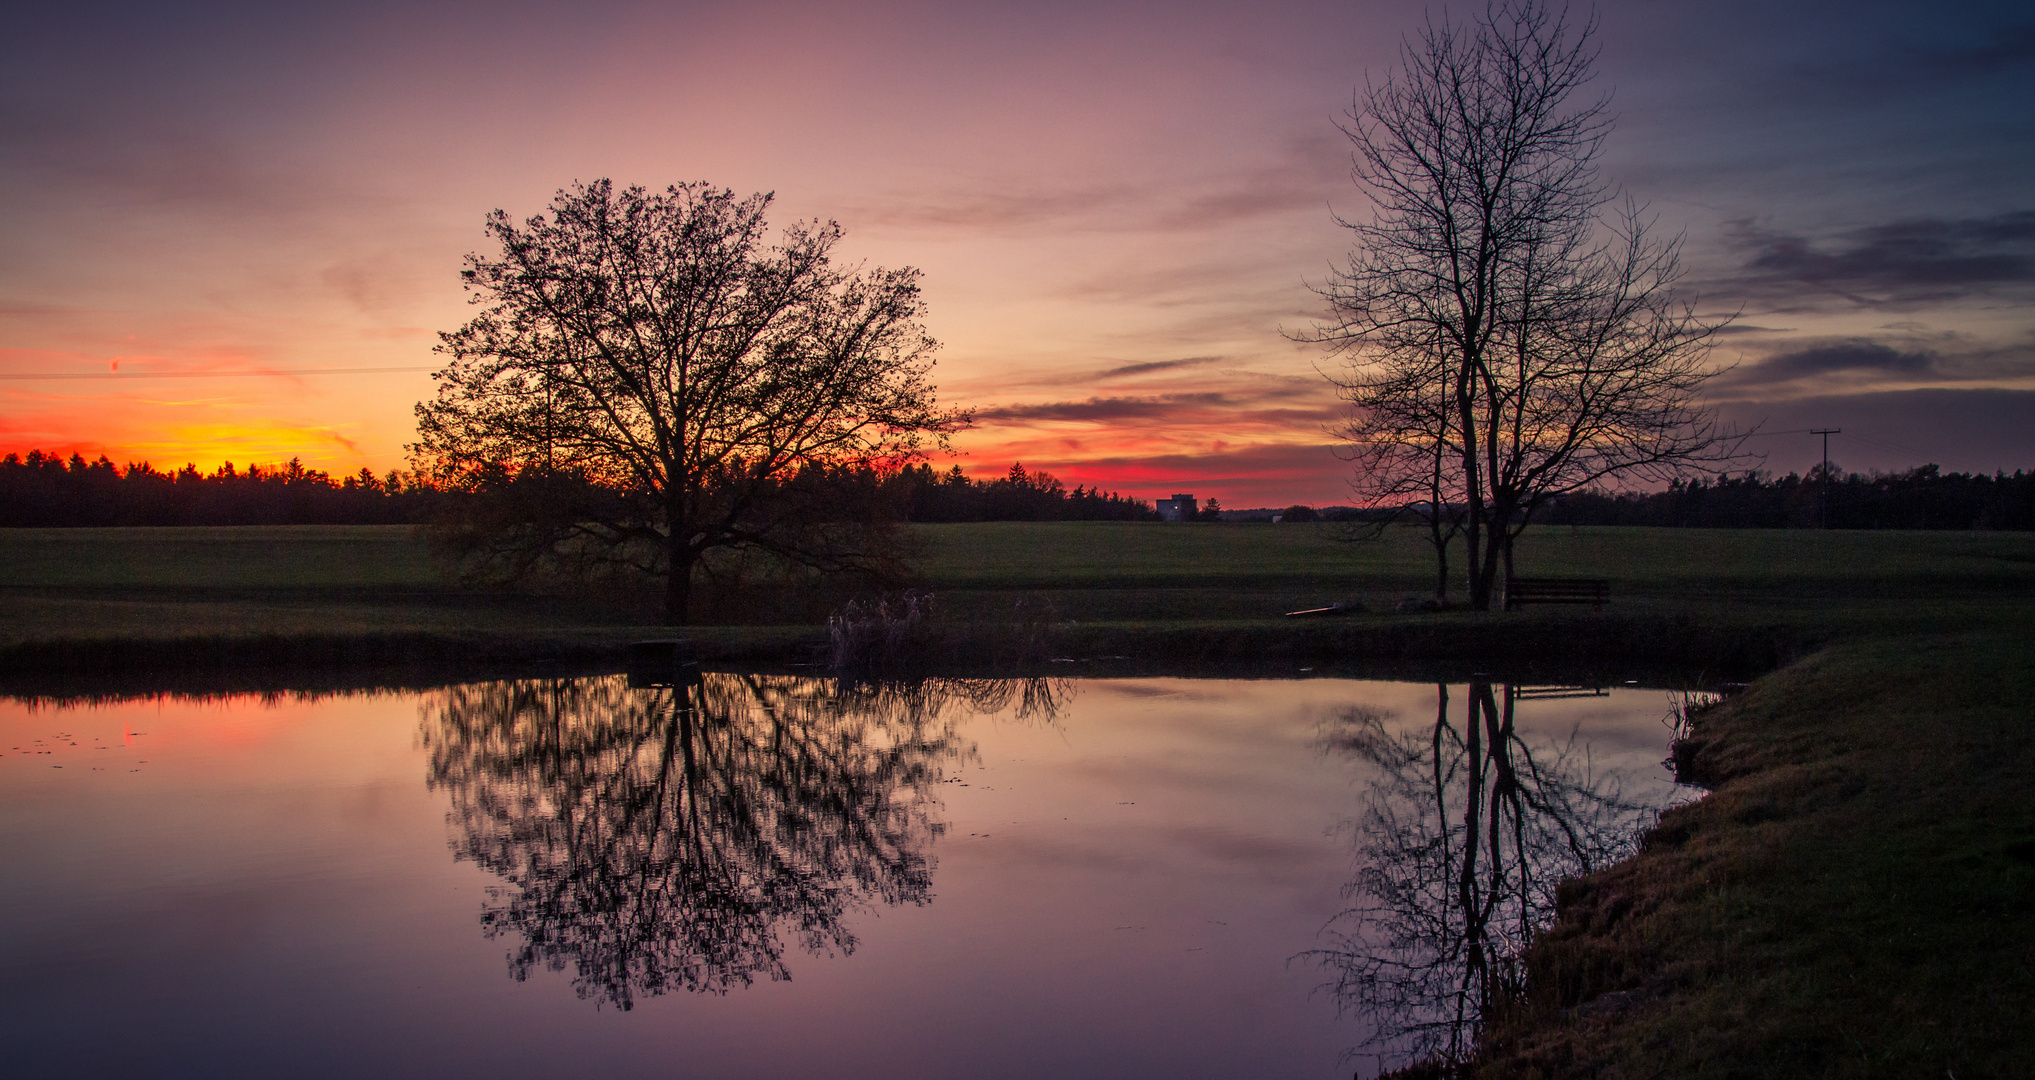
x=1595 y=592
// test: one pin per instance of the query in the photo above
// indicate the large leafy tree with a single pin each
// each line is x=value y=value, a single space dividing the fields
x=650 y=378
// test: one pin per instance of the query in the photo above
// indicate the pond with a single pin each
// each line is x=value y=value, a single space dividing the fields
x=749 y=875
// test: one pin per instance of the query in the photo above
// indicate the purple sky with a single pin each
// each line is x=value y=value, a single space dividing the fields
x=1118 y=208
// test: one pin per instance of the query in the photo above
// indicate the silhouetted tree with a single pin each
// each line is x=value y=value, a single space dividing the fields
x=1506 y=343
x=701 y=388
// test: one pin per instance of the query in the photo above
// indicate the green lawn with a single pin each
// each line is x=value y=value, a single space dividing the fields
x=1192 y=581
x=348 y=579
x=276 y=559
x=152 y=583
x=1265 y=565
x=1644 y=562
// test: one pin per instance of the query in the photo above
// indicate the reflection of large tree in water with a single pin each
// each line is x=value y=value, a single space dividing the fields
x=1464 y=834
x=670 y=838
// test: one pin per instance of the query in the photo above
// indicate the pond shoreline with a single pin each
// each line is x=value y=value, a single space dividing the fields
x=1667 y=651
x=1849 y=899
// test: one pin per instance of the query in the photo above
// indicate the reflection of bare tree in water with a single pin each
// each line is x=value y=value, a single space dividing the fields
x=666 y=838
x=1030 y=700
x=1463 y=837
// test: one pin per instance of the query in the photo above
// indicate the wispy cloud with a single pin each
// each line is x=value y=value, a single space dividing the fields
x=1909 y=65
x=1845 y=356
x=1298 y=177
x=1860 y=363
x=1748 y=328
x=1902 y=264
x=1248 y=396
x=1155 y=366
x=1103 y=410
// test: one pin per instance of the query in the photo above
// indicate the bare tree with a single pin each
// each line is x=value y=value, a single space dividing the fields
x=1502 y=340
x=1399 y=438
x=691 y=387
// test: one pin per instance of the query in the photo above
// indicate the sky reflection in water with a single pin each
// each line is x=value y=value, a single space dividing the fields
x=753 y=876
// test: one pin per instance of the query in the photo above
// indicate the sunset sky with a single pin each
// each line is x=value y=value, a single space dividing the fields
x=245 y=222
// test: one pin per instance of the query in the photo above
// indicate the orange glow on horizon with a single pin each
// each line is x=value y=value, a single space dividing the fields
x=1143 y=430
x=205 y=446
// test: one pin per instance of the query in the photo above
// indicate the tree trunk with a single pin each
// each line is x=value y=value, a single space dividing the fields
x=1441 y=562
x=678 y=582
x=1509 y=537
x=1473 y=476
x=1484 y=560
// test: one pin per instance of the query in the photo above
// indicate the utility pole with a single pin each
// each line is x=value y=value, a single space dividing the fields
x=1826 y=433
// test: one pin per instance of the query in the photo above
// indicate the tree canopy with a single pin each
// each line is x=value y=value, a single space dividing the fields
x=1506 y=340
x=650 y=379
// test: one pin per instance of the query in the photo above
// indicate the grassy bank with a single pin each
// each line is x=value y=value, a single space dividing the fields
x=1853 y=899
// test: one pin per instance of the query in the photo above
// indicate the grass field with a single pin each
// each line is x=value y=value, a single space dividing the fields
x=1116 y=571
x=109 y=583
x=1852 y=900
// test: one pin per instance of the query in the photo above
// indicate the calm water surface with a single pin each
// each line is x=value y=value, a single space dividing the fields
x=761 y=876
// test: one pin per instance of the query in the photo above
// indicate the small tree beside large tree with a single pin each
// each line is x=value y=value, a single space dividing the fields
x=651 y=380
x=1505 y=339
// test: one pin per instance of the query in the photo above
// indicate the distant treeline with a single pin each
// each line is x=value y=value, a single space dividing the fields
x=45 y=490
x=1018 y=495
x=1924 y=498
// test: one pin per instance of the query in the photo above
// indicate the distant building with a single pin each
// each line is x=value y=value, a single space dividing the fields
x=1177 y=508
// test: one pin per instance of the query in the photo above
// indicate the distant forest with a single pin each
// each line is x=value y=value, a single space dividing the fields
x=45 y=490
x=1016 y=496
x=49 y=491
x=1923 y=498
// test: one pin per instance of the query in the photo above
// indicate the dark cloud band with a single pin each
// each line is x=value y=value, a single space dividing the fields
x=1899 y=264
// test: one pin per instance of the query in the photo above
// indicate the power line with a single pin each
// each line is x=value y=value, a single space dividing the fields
x=1953 y=462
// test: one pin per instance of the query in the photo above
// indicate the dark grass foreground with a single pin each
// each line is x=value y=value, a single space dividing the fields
x=1855 y=898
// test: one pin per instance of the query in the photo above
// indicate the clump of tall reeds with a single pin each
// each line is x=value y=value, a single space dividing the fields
x=883 y=633
x=907 y=633
x=1684 y=707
